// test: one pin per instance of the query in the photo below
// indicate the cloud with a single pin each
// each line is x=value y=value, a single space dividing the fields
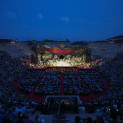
x=65 y=19
x=10 y=14
x=40 y=15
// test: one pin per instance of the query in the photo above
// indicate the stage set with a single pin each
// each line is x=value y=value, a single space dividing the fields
x=61 y=56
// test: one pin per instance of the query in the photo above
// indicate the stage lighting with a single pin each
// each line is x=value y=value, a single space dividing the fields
x=61 y=63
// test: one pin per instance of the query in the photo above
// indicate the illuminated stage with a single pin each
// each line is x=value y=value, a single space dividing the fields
x=61 y=56
x=62 y=63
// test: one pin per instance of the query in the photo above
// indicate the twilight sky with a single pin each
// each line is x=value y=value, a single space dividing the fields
x=87 y=20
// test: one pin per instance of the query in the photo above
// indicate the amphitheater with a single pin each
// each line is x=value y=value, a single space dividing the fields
x=62 y=78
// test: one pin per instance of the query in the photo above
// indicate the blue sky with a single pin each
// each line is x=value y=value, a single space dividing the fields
x=87 y=20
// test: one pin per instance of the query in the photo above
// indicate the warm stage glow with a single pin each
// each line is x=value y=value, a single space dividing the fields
x=61 y=63
x=64 y=63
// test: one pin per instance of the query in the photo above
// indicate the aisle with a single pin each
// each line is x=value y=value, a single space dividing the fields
x=38 y=83
x=83 y=81
x=62 y=86
x=16 y=86
x=40 y=98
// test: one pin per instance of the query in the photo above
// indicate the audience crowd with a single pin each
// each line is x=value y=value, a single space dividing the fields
x=30 y=79
x=93 y=80
x=73 y=84
x=16 y=109
x=50 y=84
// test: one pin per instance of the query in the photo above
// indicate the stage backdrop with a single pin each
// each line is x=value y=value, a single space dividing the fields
x=60 y=51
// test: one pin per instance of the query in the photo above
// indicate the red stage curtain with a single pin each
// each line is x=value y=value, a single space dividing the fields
x=59 y=51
